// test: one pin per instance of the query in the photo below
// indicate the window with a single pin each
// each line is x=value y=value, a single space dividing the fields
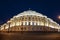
x=29 y=18
x=29 y=23
x=32 y=23
x=25 y=23
x=22 y=19
x=21 y=28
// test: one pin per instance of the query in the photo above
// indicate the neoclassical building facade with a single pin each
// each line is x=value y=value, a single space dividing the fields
x=30 y=21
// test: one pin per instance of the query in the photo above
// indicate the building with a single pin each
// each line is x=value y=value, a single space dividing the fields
x=30 y=21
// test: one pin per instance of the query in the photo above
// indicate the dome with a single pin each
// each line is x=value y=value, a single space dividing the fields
x=30 y=12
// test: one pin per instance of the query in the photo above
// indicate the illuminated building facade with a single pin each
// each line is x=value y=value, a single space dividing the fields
x=30 y=21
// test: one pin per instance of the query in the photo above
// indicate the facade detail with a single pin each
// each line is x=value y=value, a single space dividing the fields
x=30 y=21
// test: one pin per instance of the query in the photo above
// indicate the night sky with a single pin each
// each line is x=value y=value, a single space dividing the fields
x=9 y=8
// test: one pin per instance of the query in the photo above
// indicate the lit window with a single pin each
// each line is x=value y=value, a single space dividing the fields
x=20 y=23
x=12 y=24
x=6 y=27
x=2 y=28
x=34 y=23
x=46 y=24
x=38 y=23
x=23 y=23
x=17 y=23
x=42 y=24
x=31 y=23
x=27 y=23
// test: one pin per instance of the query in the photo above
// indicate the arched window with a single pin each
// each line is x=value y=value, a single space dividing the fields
x=37 y=23
x=22 y=28
x=29 y=18
x=22 y=23
x=17 y=23
x=25 y=23
x=29 y=23
x=32 y=23
x=12 y=24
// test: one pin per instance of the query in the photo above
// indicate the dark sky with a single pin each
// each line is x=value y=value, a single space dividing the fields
x=9 y=8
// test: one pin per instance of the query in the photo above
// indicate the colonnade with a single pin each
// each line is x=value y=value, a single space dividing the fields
x=29 y=20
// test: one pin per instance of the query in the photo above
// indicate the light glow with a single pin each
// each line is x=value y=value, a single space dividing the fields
x=59 y=17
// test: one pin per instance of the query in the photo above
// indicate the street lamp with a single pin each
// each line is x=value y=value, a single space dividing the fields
x=59 y=17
